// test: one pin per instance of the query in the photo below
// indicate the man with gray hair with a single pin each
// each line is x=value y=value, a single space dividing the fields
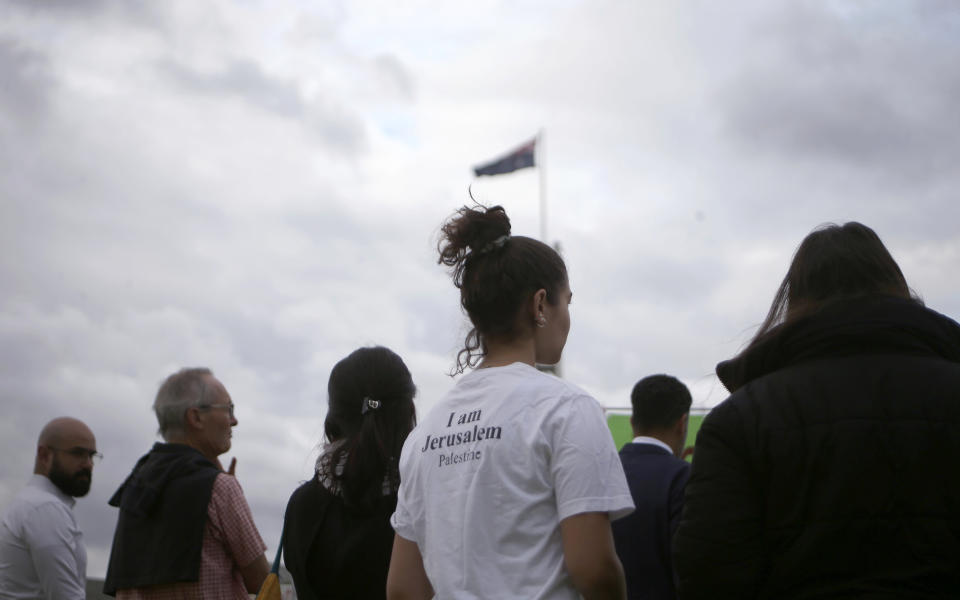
x=41 y=548
x=180 y=505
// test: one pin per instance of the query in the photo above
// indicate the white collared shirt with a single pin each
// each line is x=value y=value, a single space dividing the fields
x=41 y=548
x=642 y=439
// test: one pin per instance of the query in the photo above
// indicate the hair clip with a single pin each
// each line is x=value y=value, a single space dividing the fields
x=368 y=404
x=497 y=243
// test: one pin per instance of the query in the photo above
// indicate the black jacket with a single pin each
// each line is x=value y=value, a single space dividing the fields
x=163 y=511
x=642 y=538
x=833 y=469
x=335 y=552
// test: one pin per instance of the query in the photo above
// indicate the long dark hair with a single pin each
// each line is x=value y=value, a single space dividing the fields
x=496 y=274
x=834 y=263
x=370 y=414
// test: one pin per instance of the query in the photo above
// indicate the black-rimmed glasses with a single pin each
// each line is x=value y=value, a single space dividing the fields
x=228 y=406
x=80 y=453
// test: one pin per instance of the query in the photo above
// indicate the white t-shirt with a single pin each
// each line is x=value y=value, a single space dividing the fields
x=487 y=477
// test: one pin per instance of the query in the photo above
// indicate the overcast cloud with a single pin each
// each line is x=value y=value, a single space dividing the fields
x=257 y=187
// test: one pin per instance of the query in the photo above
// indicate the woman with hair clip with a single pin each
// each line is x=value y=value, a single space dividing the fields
x=336 y=532
x=509 y=484
x=830 y=471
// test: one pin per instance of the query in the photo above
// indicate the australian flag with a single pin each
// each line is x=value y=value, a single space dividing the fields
x=520 y=158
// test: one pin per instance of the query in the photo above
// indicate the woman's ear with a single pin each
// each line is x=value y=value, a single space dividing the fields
x=537 y=303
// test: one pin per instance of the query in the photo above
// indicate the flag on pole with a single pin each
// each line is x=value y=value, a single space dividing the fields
x=520 y=158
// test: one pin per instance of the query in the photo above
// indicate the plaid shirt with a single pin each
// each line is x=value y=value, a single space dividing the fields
x=230 y=540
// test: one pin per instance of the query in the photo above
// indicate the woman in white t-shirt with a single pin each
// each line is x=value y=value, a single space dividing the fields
x=508 y=486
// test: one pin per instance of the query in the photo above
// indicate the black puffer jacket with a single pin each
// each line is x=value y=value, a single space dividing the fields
x=833 y=470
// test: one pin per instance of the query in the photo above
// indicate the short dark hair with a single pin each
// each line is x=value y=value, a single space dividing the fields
x=496 y=274
x=658 y=402
x=367 y=440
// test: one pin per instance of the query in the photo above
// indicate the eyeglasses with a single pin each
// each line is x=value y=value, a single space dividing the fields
x=228 y=406
x=80 y=453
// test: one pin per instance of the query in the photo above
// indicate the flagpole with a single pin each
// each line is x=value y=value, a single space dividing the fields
x=522 y=158
x=542 y=169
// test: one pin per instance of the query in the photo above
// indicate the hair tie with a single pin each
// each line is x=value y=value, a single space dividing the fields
x=493 y=245
x=368 y=404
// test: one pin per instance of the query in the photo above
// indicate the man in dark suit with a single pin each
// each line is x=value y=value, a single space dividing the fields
x=661 y=407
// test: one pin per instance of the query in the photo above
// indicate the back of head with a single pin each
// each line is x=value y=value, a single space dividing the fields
x=184 y=389
x=495 y=273
x=370 y=414
x=658 y=402
x=834 y=263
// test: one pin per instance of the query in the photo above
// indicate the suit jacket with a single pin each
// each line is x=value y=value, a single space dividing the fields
x=657 y=479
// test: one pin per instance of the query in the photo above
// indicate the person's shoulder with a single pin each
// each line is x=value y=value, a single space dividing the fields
x=19 y=509
x=678 y=465
x=307 y=493
x=771 y=393
x=734 y=405
x=653 y=455
x=37 y=511
x=517 y=379
x=226 y=487
x=646 y=448
x=229 y=507
x=548 y=386
x=574 y=398
x=308 y=498
x=34 y=498
x=47 y=504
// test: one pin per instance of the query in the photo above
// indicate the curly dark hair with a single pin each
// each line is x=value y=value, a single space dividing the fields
x=495 y=273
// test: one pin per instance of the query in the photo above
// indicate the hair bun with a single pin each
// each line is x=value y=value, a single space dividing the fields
x=496 y=274
x=472 y=230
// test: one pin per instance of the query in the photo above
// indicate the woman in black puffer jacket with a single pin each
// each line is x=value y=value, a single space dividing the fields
x=833 y=469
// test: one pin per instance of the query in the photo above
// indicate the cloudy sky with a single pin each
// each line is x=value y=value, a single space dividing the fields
x=257 y=187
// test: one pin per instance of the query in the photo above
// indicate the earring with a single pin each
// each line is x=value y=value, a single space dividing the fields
x=541 y=320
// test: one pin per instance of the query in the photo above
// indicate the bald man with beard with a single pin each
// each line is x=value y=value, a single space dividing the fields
x=41 y=548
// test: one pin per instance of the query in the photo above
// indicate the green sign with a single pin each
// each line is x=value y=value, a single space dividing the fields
x=622 y=431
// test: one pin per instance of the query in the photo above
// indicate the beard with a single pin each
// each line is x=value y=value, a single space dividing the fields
x=76 y=484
